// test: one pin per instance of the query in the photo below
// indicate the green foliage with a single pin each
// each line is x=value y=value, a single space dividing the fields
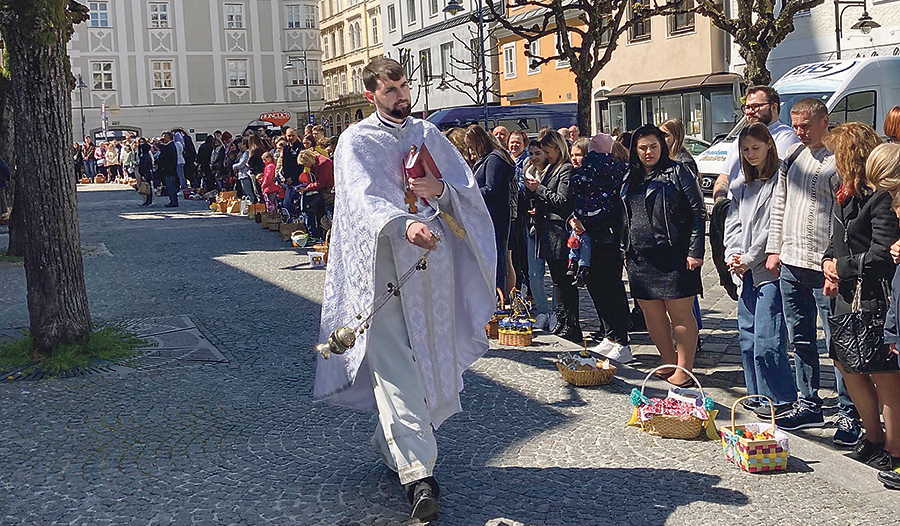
x=6 y=258
x=109 y=343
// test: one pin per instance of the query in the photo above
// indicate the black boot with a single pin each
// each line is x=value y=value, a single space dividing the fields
x=560 y=321
x=579 y=277
x=572 y=332
x=423 y=494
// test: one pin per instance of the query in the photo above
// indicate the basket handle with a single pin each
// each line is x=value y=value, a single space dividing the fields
x=668 y=366
x=736 y=402
x=502 y=298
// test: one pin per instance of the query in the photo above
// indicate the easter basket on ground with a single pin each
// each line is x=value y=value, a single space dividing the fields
x=492 y=329
x=516 y=330
x=584 y=370
x=755 y=447
x=684 y=413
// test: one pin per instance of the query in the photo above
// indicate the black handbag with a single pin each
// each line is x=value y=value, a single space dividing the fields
x=857 y=338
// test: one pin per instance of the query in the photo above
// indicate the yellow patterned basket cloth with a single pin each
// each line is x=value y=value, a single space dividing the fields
x=755 y=456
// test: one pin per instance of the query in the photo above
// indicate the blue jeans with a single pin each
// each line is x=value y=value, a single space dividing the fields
x=180 y=169
x=536 y=270
x=90 y=168
x=582 y=254
x=762 y=335
x=801 y=291
x=172 y=189
x=247 y=187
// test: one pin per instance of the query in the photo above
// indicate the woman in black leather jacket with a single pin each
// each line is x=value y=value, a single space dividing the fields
x=666 y=225
x=553 y=203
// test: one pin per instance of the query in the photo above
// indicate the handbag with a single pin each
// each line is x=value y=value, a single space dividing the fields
x=144 y=188
x=857 y=338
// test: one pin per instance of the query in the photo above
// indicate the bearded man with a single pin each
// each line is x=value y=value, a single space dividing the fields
x=407 y=364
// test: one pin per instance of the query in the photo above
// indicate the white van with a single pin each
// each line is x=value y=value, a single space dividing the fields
x=860 y=90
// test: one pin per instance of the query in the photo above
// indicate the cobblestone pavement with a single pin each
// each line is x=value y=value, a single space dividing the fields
x=239 y=442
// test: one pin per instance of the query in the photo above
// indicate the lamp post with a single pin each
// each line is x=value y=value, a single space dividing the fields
x=81 y=85
x=290 y=66
x=455 y=6
x=865 y=24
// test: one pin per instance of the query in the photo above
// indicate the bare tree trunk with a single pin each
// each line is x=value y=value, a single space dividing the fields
x=584 y=87
x=39 y=67
x=755 y=72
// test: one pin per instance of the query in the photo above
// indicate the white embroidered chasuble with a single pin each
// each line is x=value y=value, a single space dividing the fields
x=445 y=307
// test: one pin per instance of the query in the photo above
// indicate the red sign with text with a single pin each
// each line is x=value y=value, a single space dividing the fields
x=278 y=118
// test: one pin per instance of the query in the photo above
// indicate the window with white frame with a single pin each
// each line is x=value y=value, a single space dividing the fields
x=325 y=48
x=534 y=49
x=359 y=40
x=411 y=11
x=159 y=14
x=351 y=33
x=295 y=76
x=102 y=76
x=392 y=18
x=334 y=45
x=237 y=73
x=682 y=22
x=373 y=21
x=312 y=69
x=344 y=83
x=447 y=58
x=434 y=7
x=562 y=62
x=641 y=28
x=311 y=18
x=99 y=14
x=425 y=64
x=234 y=16
x=340 y=39
x=162 y=74
x=354 y=77
x=509 y=60
x=292 y=17
x=327 y=88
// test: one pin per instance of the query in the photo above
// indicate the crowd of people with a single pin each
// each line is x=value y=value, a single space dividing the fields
x=291 y=175
x=809 y=228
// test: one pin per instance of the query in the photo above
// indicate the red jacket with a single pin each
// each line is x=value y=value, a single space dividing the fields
x=324 y=172
x=268 y=184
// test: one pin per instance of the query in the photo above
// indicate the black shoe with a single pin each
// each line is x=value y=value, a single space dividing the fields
x=881 y=461
x=171 y=205
x=866 y=451
x=890 y=479
x=579 y=277
x=750 y=404
x=802 y=416
x=560 y=323
x=848 y=430
x=573 y=268
x=572 y=333
x=422 y=494
x=765 y=411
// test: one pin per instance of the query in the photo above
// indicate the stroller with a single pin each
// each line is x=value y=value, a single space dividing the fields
x=306 y=208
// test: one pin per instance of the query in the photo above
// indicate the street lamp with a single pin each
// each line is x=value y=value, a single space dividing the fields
x=865 y=24
x=290 y=66
x=453 y=7
x=81 y=85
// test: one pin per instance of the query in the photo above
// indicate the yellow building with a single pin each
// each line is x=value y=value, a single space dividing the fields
x=665 y=67
x=351 y=37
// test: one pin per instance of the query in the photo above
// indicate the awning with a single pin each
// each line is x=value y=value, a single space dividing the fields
x=683 y=83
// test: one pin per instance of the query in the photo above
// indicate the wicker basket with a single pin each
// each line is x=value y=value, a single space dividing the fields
x=222 y=206
x=514 y=338
x=669 y=426
x=751 y=455
x=587 y=377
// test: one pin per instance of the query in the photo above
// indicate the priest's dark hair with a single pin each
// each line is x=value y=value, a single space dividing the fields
x=381 y=68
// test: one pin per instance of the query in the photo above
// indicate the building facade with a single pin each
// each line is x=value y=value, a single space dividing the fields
x=665 y=67
x=351 y=37
x=814 y=36
x=153 y=65
x=441 y=52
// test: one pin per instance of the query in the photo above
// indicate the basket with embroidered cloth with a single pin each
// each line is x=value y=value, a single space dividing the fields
x=755 y=447
x=683 y=413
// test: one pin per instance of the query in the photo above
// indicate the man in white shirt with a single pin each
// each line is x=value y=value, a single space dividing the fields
x=179 y=148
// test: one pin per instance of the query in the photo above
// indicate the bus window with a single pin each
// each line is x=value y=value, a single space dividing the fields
x=524 y=124
x=855 y=107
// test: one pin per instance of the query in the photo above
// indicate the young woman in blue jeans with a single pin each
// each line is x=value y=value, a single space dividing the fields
x=762 y=332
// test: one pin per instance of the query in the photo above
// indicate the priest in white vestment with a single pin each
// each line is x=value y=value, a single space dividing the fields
x=408 y=364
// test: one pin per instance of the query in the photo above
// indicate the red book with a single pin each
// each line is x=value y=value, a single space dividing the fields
x=416 y=161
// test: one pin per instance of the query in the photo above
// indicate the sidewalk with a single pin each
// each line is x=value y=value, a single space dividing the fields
x=217 y=424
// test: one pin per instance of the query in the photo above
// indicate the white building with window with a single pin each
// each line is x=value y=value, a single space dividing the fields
x=201 y=65
x=440 y=50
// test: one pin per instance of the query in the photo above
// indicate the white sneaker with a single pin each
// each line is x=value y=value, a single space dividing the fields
x=542 y=322
x=620 y=353
x=603 y=347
